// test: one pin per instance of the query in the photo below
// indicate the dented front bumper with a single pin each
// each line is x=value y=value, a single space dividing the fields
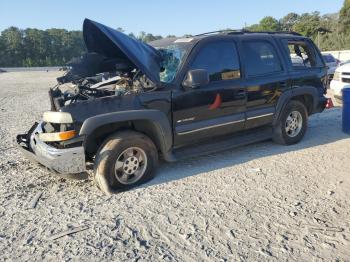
x=62 y=161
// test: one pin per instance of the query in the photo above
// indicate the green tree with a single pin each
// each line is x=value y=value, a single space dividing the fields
x=289 y=21
x=12 y=38
x=35 y=47
x=54 y=47
x=254 y=28
x=308 y=24
x=344 y=17
x=147 y=37
x=269 y=23
x=132 y=35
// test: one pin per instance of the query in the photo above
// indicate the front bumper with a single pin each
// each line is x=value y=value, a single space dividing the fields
x=62 y=161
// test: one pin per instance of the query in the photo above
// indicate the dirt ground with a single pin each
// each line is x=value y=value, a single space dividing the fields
x=255 y=203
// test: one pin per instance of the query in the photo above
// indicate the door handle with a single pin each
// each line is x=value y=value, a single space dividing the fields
x=241 y=94
x=283 y=84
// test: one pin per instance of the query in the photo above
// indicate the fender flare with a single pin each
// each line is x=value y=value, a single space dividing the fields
x=158 y=119
x=289 y=94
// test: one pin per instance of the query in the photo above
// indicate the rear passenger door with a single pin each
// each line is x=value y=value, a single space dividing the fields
x=266 y=79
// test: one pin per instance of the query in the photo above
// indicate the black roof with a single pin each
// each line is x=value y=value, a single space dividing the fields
x=244 y=31
x=191 y=40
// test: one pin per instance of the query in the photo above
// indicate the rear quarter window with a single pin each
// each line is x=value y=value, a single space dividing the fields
x=302 y=54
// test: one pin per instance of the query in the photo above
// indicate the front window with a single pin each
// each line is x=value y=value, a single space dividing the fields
x=172 y=57
x=220 y=59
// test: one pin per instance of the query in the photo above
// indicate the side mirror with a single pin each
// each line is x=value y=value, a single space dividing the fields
x=196 y=78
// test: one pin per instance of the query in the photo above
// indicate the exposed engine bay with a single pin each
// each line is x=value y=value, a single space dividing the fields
x=93 y=76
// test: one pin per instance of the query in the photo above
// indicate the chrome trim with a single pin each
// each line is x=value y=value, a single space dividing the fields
x=255 y=117
x=63 y=161
x=209 y=127
x=185 y=120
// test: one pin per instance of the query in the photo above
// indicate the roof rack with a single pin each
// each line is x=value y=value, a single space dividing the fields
x=270 y=32
x=227 y=31
x=245 y=31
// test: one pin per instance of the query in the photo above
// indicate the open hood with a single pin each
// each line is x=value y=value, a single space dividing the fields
x=111 y=43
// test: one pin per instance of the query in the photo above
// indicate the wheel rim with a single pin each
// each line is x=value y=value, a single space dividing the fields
x=130 y=166
x=294 y=124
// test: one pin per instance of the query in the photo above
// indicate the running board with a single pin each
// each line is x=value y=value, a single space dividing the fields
x=221 y=144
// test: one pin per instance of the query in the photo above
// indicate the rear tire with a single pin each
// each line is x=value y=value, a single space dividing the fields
x=125 y=160
x=292 y=124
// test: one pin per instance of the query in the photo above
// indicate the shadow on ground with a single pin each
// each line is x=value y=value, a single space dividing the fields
x=323 y=129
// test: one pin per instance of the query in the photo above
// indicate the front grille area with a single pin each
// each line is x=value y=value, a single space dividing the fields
x=345 y=80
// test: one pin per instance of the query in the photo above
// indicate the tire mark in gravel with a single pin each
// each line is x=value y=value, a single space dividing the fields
x=169 y=239
x=5 y=100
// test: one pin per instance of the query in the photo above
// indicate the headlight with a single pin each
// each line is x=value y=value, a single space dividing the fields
x=336 y=76
x=56 y=137
x=57 y=117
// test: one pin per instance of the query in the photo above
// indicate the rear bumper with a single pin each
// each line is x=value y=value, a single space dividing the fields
x=62 y=161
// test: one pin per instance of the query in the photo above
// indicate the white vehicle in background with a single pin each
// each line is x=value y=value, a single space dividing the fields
x=332 y=64
x=340 y=80
x=345 y=62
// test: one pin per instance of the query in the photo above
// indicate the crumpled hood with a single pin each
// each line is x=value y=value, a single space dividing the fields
x=111 y=43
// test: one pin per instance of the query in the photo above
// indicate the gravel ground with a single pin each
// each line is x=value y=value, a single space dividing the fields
x=256 y=203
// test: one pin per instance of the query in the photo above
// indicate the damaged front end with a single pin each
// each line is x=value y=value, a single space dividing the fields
x=79 y=85
x=60 y=160
x=115 y=66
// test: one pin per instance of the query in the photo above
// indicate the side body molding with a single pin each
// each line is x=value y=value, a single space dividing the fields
x=156 y=118
x=296 y=91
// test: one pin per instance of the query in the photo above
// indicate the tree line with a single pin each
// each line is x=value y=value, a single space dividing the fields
x=56 y=47
x=330 y=32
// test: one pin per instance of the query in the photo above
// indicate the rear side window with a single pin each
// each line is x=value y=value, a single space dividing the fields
x=220 y=59
x=261 y=58
x=301 y=54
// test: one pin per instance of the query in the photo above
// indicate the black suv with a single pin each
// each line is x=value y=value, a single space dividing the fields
x=126 y=103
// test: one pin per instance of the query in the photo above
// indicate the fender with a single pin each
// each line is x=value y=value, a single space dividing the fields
x=156 y=117
x=289 y=94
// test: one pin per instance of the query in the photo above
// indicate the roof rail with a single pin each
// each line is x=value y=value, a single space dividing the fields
x=270 y=32
x=245 y=31
x=227 y=31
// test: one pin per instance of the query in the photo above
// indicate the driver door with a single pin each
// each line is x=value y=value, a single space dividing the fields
x=217 y=108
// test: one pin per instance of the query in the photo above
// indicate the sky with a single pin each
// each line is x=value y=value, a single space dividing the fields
x=157 y=17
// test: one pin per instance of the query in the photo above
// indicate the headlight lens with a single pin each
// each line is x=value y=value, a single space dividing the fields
x=56 y=137
x=336 y=76
x=57 y=117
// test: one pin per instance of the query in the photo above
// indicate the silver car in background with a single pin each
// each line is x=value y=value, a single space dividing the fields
x=332 y=64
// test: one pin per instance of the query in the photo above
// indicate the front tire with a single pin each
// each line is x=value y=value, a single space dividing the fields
x=292 y=124
x=125 y=160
